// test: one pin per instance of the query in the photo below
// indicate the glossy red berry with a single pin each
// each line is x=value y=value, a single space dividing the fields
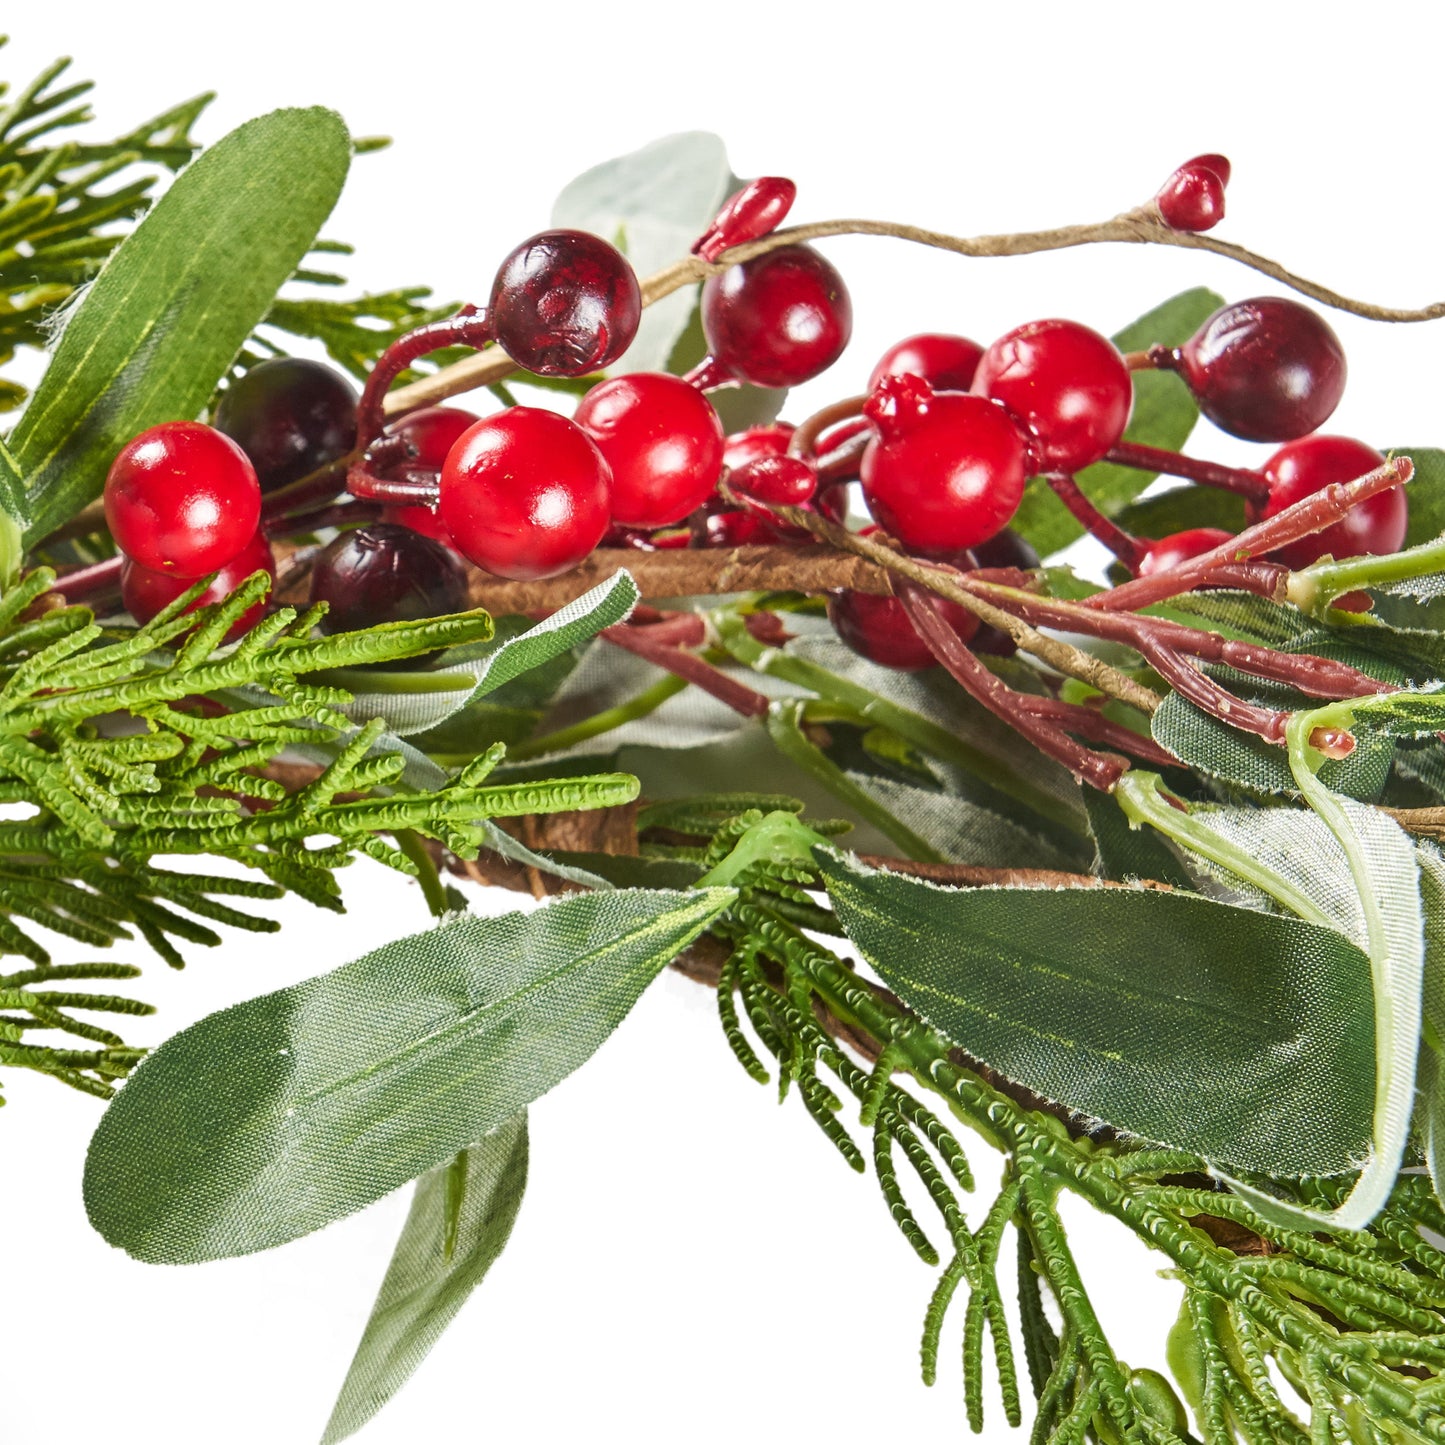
x=1267 y=370
x=431 y=433
x=525 y=493
x=565 y=303
x=1192 y=199
x=290 y=416
x=760 y=207
x=946 y=469
x=1213 y=162
x=755 y=443
x=1301 y=468
x=182 y=498
x=946 y=363
x=146 y=593
x=662 y=440
x=776 y=481
x=384 y=573
x=733 y=529
x=1067 y=385
x=779 y=319
x=1180 y=547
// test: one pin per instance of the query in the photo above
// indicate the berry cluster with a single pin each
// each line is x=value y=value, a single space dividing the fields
x=940 y=448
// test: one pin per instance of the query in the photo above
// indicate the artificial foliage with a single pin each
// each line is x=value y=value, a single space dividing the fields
x=1146 y=899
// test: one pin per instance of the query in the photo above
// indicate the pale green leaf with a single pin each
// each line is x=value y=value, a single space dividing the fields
x=164 y=320
x=461 y=1218
x=289 y=1111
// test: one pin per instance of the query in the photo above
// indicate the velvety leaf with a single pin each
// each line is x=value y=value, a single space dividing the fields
x=461 y=1218
x=483 y=669
x=1164 y=415
x=169 y=311
x=1143 y=1008
x=289 y=1111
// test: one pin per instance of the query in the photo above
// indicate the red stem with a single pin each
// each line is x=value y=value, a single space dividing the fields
x=1129 y=550
x=98 y=580
x=1247 y=484
x=709 y=374
x=687 y=665
x=1090 y=723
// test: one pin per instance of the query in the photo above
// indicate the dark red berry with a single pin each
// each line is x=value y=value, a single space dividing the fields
x=779 y=319
x=761 y=206
x=1180 y=547
x=290 y=416
x=385 y=573
x=662 y=440
x=756 y=442
x=565 y=303
x=182 y=498
x=1301 y=468
x=525 y=493
x=1267 y=370
x=1006 y=549
x=1067 y=385
x=431 y=433
x=733 y=529
x=878 y=628
x=946 y=469
x=946 y=363
x=146 y=593
x=1192 y=199
x=776 y=481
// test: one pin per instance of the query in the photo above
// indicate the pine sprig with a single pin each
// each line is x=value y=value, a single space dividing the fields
x=134 y=743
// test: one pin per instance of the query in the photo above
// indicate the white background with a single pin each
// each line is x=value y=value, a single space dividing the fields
x=690 y=1261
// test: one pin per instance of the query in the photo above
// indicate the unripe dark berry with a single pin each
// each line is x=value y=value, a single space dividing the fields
x=662 y=440
x=779 y=319
x=384 y=573
x=760 y=207
x=1067 y=385
x=1180 y=547
x=146 y=593
x=182 y=498
x=945 y=362
x=1192 y=199
x=565 y=303
x=946 y=470
x=1299 y=469
x=525 y=493
x=290 y=416
x=1267 y=370
x=878 y=628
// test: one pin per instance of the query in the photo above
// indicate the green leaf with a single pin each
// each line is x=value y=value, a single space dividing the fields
x=1182 y=508
x=1164 y=415
x=14 y=515
x=1127 y=852
x=1426 y=493
x=1432 y=1005
x=483 y=669
x=289 y=1111
x=174 y=304
x=1145 y=1009
x=443 y=1254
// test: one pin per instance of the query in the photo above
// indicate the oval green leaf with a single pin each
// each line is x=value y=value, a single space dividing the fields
x=1239 y=1036
x=164 y=320
x=289 y=1111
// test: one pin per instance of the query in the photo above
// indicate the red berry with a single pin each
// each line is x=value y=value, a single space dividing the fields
x=1213 y=162
x=946 y=469
x=290 y=416
x=384 y=573
x=565 y=303
x=779 y=319
x=1192 y=199
x=426 y=521
x=755 y=443
x=433 y=431
x=1180 y=547
x=733 y=529
x=1067 y=385
x=146 y=593
x=182 y=498
x=761 y=206
x=1301 y=468
x=776 y=481
x=1267 y=370
x=662 y=440
x=525 y=493
x=946 y=363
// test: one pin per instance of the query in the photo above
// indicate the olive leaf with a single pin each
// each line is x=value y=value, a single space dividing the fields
x=161 y=324
x=287 y=1112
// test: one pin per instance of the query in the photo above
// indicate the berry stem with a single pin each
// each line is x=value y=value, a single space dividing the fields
x=339 y=514
x=687 y=665
x=318 y=486
x=1250 y=485
x=1313 y=589
x=804 y=439
x=366 y=486
x=1310 y=514
x=708 y=375
x=1129 y=550
x=100 y=581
